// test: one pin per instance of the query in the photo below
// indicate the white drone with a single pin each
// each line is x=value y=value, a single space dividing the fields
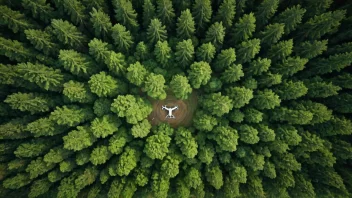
x=170 y=111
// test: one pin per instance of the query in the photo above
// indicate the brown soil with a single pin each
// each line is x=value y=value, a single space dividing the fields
x=183 y=115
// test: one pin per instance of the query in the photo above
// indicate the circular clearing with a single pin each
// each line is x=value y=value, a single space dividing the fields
x=183 y=115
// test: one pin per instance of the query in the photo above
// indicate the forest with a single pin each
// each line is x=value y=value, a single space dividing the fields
x=273 y=88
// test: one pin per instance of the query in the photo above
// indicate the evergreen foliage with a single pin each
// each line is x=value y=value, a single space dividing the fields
x=263 y=90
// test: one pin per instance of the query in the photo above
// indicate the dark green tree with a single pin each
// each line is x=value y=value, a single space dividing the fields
x=122 y=37
x=202 y=12
x=217 y=104
x=291 y=17
x=215 y=35
x=185 y=25
x=244 y=28
x=240 y=96
x=42 y=41
x=162 y=53
x=30 y=102
x=15 y=20
x=101 y=23
x=125 y=14
x=79 y=139
x=311 y=49
x=266 y=99
x=181 y=87
x=224 y=59
x=184 y=54
x=291 y=90
x=199 y=74
x=265 y=11
x=165 y=12
x=248 y=50
x=68 y=34
x=77 y=63
x=156 y=31
x=226 y=13
x=154 y=85
x=232 y=74
x=206 y=52
x=148 y=12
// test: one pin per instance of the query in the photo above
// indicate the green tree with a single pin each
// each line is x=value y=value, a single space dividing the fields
x=199 y=74
x=162 y=53
x=224 y=59
x=156 y=31
x=266 y=99
x=244 y=28
x=300 y=117
x=280 y=50
x=122 y=37
x=290 y=66
x=141 y=129
x=68 y=34
x=136 y=73
x=105 y=126
x=42 y=41
x=134 y=108
x=291 y=90
x=17 y=181
x=248 y=50
x=78 y=92
x=86 y=178
x=154 y=85
x=265 y=133
x=258 y=66
x=40 y=10
x=202 y=12
x=142 y=51
x=206 y=52
x=184 y=54
x=272 y=33
x=226 y=13
x=186 y=142
x=265 y=11
x=15 y=50
x=57 y=155
x=291 y=17
x=30 y=102
x=148 y=12
x=127 y=161
x=77 y=63
x=232 y=74
x=15 y=20
x=118 y=141
x=169 y=167
x=248 y=134
x=217 y=104
x=225 y=137
x=185 y=25
x=102 y=106
x=157 y=146
x=125 y=14
x=71 y=115
x=252 y=115
x=101 y=23
x=318 y=88
x=311 y=49
x=214 y=176
x=240 y=96
x=79 y=139
x=180 y=87
x=99 y=50
x=44 y=127
x=165 y=12
x=215 y=35
x=105 y=85
x=34 y=148
x=269 y=79
x=73 y=8
x=204 y=122
x=39 y=187
x=116 y=63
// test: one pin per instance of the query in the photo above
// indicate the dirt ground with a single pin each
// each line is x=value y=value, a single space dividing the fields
x=183 y=115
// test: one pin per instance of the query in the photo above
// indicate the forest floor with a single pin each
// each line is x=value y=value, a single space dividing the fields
x=183 y=115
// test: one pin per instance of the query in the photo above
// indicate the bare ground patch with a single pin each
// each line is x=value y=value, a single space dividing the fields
x=183 y=115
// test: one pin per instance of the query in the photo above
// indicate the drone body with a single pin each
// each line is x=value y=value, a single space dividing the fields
x=170 y=110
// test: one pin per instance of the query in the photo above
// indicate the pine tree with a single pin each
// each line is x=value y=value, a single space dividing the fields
x=291 y=17
x=280 y=50
x=156 y=31
x=265 y=99
x=289 y=66
x=165 y=12
x=68 y=34
x=71 y=115
x=244 y=28
x=154 y=85
x=116 y=63
x=215 y=34
x=74 y=8
x=248 y=50
x=217 y=104
x=136 y=74
x=44 y=127
x=105 y=126
x=106 y=86
x=42 y=41
x=181 y=87
x=291 y=90
x=199 y=74
x=204 y=121
x=202 y=12
x=77 y=63
x=15 y=20
x=185 y=25
x=142 y=52
x=184 y=54
x=100 y=155
x=79 y=139
x=205 y=52
x=317 y=88
x=125 y=14
x=148 y=12
x=258 y=66
x=99 y=50
x=232 y=74
x=239 y=95
x=101 y=23
x=39 y=187
x=224 y=59
x=16 y=51
x=162 y=53
x=317 y=7
x=272 y=33
x=141 y=129
x=265 y=11
x=39 y=9
x=32 y=102
x=226 y=13
x=122 y=38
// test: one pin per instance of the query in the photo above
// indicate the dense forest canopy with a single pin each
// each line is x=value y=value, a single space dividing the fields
x=272 y=79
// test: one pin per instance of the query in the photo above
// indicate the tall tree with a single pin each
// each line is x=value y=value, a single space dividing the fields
x=74 y=8
x=40 y=10
x=125 y=14
x=206 y=52
x=154 y=85
x=122 y=37
x=248 y=50
x=217 y=104
x=43 y=41
x=226 y=13
x=148 y=12
x=199 y=74
x=184 y=54
x=265 y=11
x=202 y=12
x=244 y=28
x=181 y=87
x=15 y=20
x=105 y=85
x=156 y=31
x=215 y=34
x=68 y=34
x=165 y=12
x=101 y=23
x=224 y=59
x=291 y=17
x=162 y=52
x=71 y=115
x=185 y=25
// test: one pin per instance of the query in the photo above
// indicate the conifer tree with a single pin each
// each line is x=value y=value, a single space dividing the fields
x=162 y=53
x=289 y=66
x=265 y=11
x=165 y=12
x=148 y=12
x=272 y=33
x=204 y=121
x=291 y=90
x=68 y=34
x=74 y=8
x=125 y=14
x=136 y=74
x=154 y=85
x=265 y=99
x=105 y=126
x=15 y=20
x=156 y=31
x=317 y=88
x=240 y=96
x=224 y=59
x=99 y=50
x=259 y=66
x=43 y=41
x=217 y=104
x=226 y=13
x=232 y=74
x=77 y=63
x=184 y=54
x=71 y=115
x=116 y=63
x=244 y=28
x=16 y=51
x=141 y=129
x=39 y=9
x=122 y=38
x=101 y=23
x=100 y=155
x=248 y=50
x=291 y=17
x=181 y=87
x=199 y=74
x=185 y=25
x=32 y=102
x=78 y=92
x=215 y=34
x=280 y=50
x=142 y=51
x=105 y=85
x=202 y=12
x=79 y=139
